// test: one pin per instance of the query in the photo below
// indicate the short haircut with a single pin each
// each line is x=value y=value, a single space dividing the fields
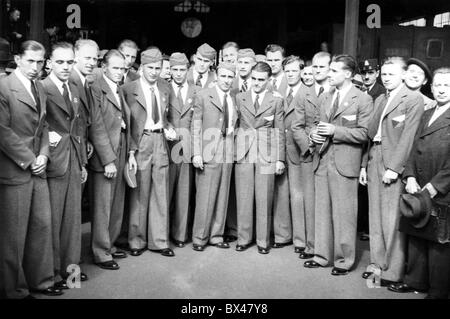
x=308 y=63
x=166 y=57
x=443 y=70
x=112 y=53
x=349 y=62
x=274 y=48
x=262 y=67
x=230 y=44
x=127 y=43
x=13 y=9
x=85 y=42
x=30 y=45
x=396 y=60
x=61 y=45
x=293 y=58
x=322 y=54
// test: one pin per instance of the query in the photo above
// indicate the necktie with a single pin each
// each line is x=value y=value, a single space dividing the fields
x=274 y=84
x=155 y=112
x=67 y=99
x=199 y=82
x=244 y=86
x=256 y=105
x=335 y=107
x=321 y=89
x=290 y=97
x=225 y=115
x=179 y=96
x=36 y=96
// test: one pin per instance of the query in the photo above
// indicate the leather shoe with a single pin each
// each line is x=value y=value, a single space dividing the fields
x=364 y=237
x=229 y=238
x=387 y=283
x=311 y=264
x=119 y=254
x=165 y=252
x=136 y=252
x=298 y=250
x=241 y=247
x=83 y=277
x=110 y=265
x=51 y=291
x=222 y=245
x=401 y=288
x=339 y=271
x=263 y=250
x=62 y=284
x=178 y=243
x=366 y=274
x=198 y=247
x=29 y=297
x=304 y=255
x=281 y=245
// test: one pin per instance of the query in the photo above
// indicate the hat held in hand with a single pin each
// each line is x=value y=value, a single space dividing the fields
x=416 y=207
x=130 y=176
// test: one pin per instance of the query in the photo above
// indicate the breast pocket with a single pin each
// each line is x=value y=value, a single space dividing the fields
x=349 y=120
x=398 y=121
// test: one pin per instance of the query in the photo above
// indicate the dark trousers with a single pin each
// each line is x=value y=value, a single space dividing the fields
x=363 y=209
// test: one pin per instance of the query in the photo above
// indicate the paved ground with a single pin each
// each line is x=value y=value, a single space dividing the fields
x=225 y=274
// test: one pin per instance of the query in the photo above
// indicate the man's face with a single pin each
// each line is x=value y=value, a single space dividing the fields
x=338 y=74
x=415 y=77
x=259 y=81
x=165 y=71
x=114 y=69
x=275 y=60
x=62 y=61
x=179 y=73
x=293 y=72
x=151 y=71
x=15 y=16
x=229 y=55
x=307 y=76
x=202 y=64
x=369 y=77
x=86 y=59
x=392 y=76
x=245 y=65
x=321 y=67
x=224 y=79
x=30 y=63
x=130 y=56
x=441 y=88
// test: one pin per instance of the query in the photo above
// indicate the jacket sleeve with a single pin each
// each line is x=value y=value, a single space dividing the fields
x=279 y=125
x=299 y=128
x=196 y=126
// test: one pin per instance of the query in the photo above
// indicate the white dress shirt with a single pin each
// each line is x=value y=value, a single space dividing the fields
x=260 y=99
x=277 y=79
x=221 y=95
x=438 y=111
x=184 y=90
x=203 y=79
x=25 y=81
x=392 y=95
x=82 y=77
x=325 y=85
x=59 y=84
x=294 y=89
x=342 y=93
x=149 y=124
x=241 y=82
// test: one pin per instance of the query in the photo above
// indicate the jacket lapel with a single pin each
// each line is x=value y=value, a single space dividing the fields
x=248 y=103
x=442 y=121
x=397 y=100
x=265 y=104
x=214 y=98
x=22 y=93
x=109 y=94
x=189 y=98
x=140 y=97
x=76 y=81
x=53 y=91
x=174 y=100
x=348 y=101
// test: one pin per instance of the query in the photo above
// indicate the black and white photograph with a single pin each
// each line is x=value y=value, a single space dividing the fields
x=224 y=154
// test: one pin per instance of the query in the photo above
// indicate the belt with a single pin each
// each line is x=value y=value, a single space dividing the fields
x=122 y=130
x=376 y=142
x=159 y=130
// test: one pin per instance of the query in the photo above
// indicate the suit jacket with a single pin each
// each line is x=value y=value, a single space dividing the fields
x=376 y=91
x=211 y=78
x=351 y=123
x=261 y=131
x=134 y=96
x=106 y=146
x=131 y=76
x=398 y=127
x=306 y=117
x=23 y=130
x=282 y=87
x=207 y=122
x=429 y=160
x=65 y=121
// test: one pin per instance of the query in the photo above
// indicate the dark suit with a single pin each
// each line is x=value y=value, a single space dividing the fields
x=260 y=143
x=211 y=77
x=429 y=162
x=26 y=255
x=376 y=91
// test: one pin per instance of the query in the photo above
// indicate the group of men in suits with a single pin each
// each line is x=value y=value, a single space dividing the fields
x=210 y=152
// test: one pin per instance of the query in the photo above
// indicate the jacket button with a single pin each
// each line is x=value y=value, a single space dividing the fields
x=22 y=163
x=67 y=118
x=286 y=130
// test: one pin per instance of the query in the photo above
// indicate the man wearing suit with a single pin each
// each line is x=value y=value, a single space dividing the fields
x=181 y=106
x=274 y=57
x=245 y=62
x=287 y=197
x=230 y=52
x=129 y=49
x=65 y=171
x=148 y=99
x=428 y=167
x=340 y=136
x=321 y=66
x=213 y=123
x=391 y=131
x=107 y=187
x=260 y=154
x=200 y=74
x=26 y=255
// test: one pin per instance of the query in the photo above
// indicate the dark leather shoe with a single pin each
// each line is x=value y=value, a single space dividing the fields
x=222 y=245
x=304 y=255
x=263 y=250
x=119 y=254
x=83 y=277
x=62 y=284
x=136 y=252
x=110 y=265
x=339 y=271
x=387 y=283
x=401 y=288
x=242 y=247
x=29 y=297
x=198 y=247
x=311 y=264
x=167 y=252
x=281 y=245
x=366 y=274
x=364 y=237
x=229 y=238
x=298 y=250
x=51 y=291
x=178 y=243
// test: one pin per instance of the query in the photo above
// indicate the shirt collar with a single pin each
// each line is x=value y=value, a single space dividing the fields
x=294 y=88
x=111 y=84
x=396 y=90
x=82 y=77
x=175 y=86
x=261 y=96
x=343 y=91
x=147 y=85
x=221 y=93
x=57 y=81
x=22 y=78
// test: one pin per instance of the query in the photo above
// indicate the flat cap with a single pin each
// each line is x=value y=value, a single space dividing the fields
x=227 y=66
x=206 y=51
x=151 y=56
x=246 y=53
x=368 y=65
x=421 y=65
x=178 y=58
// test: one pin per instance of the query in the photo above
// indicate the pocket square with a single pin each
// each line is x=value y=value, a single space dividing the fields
x=349 y=117
x=269 y=118
x=54 y=138
x=399 y=118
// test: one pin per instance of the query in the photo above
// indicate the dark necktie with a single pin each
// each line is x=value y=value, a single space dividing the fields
x=225 y=115
x=199 y=82
x=274 y=84
x=155 y=112
x=36 y=96
x=179 y=96
x=256 y=105
x=67 y=99
x=244 y=86
x=290 y=97
x=335 y=107
x=321 y=89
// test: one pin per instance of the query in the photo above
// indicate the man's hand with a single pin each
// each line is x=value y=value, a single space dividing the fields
x=316 y=138
x=90 y=150
x=389 y=176
x=279 y=168
x=84 y=175
x=433 y=192
x=325 y=129
x=110 y=170
x=412 y=186
x=39 y=165
x=363 y=176
x=170 y=134
x=132 y=164
x=197 y=161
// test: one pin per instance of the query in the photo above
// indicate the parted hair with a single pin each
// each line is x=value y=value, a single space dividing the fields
x=82 y=42
x=127 y=43
x=293 y=58
x=349 y=62
x=30 y=45
x=111 y=53
x=322 y=54
x=274 y=48
x=61 y=45
x=442 y=70
x=395 y=60
x=262 y=67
